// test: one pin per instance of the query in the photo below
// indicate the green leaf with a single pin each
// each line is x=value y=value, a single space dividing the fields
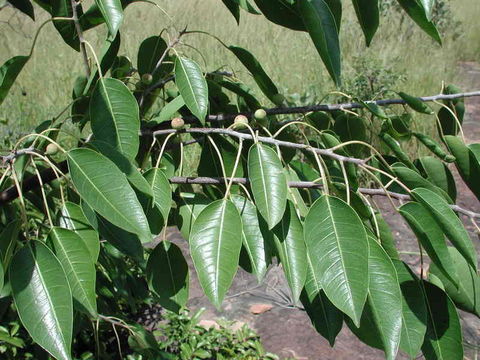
x=443 y=340
x=170 y=109
x=431 y=237
x=381 y=321
x=124 y=241
x=66 y=28
x=374 y=109
x=8 y=241
x=323 y=30
x=414 y=180
x=325 y=317
x=263 y=81
x=77 y=263
x=43 y=299
x=337 y=240
x=451 y=117
x=124 y=165
x=24 y=6
x=438 y=173
x=215 y=247
x=9 y=72
x=418 y=14
x=416 y=104
x=112 y=13
x=386 y=237
x=448 y=222
x=149 y=53
x=414 y=311
x=252 y=235
x=268 y=182
x=99 y=182
x=189 y=206
x=115 y=117
x=465 y=292
x=167 y=276
x=192 y=86
x=281 y=12
x=71 y=217
x=2 y=276
x=368 y=16
x=466 y=162
x=288 y=237
x=351 y=128
x=234 y=9
x=162 y=191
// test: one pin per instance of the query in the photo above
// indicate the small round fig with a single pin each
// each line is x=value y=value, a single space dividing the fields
x=278 y=99
x=51 y=149
x=147 y=79
x=178 y=123
x=260 y=114
x=240 y=121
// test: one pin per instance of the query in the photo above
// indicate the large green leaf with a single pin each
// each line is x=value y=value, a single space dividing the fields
x=323 y=30
x=368 y=16
x=124 y=241
x=466 y=162
x=385 y=236
x=43 y=298
x=259 y=75
x=268 y=182
x=169 y=110
x=112 y=13
x=451 y=117
x=414 y=311
x=192 y=86
x=2 y=276
x=234 y=9
x=338 y=247
x=162 y=191
x=252 y=236
x=443 y=340
x=438 y=173
x=384 y=302
x=114 y=116
x=24 y=6
x=8 y=241
x=71 y=217
x=125 y=165
x=418 y=14
x=431 y=237
x=281 y=12
x=66 y=28
x=149 y=53
x=77 y=263
x=167 y=276
x=325 y=317
x=189 y=206
x=291 y=250
x=9 y=72
x=215 y=244
x=99 y=182
x=465 y=292
x=448 y=222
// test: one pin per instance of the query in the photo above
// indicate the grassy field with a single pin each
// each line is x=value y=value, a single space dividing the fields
x=43 y=88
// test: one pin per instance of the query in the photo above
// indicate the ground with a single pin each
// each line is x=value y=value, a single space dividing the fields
x=286 y=330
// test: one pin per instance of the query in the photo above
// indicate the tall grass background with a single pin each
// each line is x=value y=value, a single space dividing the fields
x=401 y=48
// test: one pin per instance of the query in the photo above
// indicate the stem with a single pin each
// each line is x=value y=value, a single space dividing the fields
x=78 y=28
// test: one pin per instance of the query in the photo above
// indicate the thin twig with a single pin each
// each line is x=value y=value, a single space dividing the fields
x=78 y=28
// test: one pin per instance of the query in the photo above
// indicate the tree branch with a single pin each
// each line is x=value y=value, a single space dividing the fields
x=309 y=185
x=266 y=140
x=332 y=107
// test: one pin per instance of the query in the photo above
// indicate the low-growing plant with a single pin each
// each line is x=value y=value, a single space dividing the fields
x=87 y=196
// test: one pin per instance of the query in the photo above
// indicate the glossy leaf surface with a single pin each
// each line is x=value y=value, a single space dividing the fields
x=43 y=298
x=338 y=247
x=215 y=248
